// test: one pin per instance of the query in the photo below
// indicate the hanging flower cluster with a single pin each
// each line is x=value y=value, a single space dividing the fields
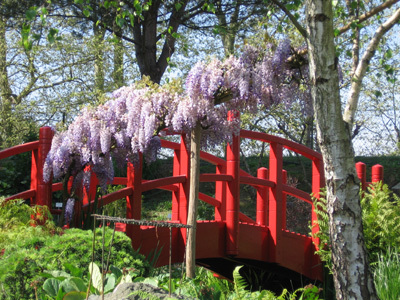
x=132 y=119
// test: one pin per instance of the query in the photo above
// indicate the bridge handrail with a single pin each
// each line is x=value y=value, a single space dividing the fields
x=19 y=149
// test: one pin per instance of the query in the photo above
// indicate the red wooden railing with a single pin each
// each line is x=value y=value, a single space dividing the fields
x=270 y=183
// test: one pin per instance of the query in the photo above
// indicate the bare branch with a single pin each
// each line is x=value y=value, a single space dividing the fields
x=368 y=15
x=359 y=74
x=300 y=28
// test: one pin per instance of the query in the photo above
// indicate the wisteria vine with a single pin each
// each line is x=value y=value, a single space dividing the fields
x=133 y=119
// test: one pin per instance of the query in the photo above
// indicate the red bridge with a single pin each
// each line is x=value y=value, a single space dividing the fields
x=231 y=238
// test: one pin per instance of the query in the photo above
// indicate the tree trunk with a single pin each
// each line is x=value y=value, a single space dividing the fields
x=99 y=33
x=353 y=279
x=195 y=138
x=118 y=72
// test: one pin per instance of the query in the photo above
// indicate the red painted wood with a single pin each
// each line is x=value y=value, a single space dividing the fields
x=210 y=200
x=220 y=194
x=23 y=195
x=300 y=149
x=232 y=232
x=232 y=193
x=275 y=199
x=262 y=198
x=109 y=198
x=284 y=198
x=19 y=149
x=134 y=201
x=163 y=183
x=176 y=171
x=184 y=167
x=377 y=173
x=318 y=181
x=43 y=189
x=362 y=174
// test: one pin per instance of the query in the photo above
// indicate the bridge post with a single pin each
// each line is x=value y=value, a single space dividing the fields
x=318 y=182
x=42 y=188
x=262 y=199
x=233 y=191
x=377 y=173
x=134 y=201
x=284 y=198
x=220 y=194
x=362 y=174
x=275 y=200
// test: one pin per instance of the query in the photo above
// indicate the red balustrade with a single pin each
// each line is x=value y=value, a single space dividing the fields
x=231 y=233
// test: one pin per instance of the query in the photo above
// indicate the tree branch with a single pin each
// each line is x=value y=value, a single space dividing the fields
x=300 y=28
x=356 y=82
x=368 y=14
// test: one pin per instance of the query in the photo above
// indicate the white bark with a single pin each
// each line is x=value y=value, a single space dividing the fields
x=352 y=277
x=356 y=82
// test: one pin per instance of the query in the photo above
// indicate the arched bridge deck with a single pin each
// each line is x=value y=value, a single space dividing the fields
x=231 y=237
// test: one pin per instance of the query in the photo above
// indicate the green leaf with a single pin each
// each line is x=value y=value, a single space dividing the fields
x=30 y=14
x=96 y=276
x=178 y=6
x=60 y=275
x=119 y=21
x=75 y=271
x=75 y=296
x=116 y=271
x=74 y=284
x=86 y=12
x=151 y=281
x=51 y=37
x=336 y=32
x=51 y=286
x=110 y=283
x=388 y=54
x=378 y=93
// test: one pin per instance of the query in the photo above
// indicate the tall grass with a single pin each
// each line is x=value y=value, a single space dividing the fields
x=387 y=275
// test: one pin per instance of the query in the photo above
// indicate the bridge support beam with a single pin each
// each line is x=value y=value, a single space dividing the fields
x=233 y=192
x=262 y=199
x=134 y=201
x=43 y=189
x=275 y=200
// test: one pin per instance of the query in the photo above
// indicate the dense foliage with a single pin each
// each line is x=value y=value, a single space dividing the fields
x=381 y=222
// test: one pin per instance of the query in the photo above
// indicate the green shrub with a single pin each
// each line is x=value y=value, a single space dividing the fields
x=381 y=220
x=29 y=250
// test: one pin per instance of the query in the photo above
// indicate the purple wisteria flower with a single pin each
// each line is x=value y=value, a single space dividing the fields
x=131 y=120
x=69 y=210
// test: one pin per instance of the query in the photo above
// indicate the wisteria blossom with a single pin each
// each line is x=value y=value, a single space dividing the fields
x=130 y=122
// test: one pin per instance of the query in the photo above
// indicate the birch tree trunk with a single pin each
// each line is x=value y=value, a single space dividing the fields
x=195 y=138
x=352 y=277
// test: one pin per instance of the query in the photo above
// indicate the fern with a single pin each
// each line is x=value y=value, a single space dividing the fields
x=324 y=247
x=381 y=222
x=239 y=283
x=381 y=219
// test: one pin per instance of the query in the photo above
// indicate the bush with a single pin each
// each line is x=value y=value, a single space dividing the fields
x=381 y=220
x=29 y=250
